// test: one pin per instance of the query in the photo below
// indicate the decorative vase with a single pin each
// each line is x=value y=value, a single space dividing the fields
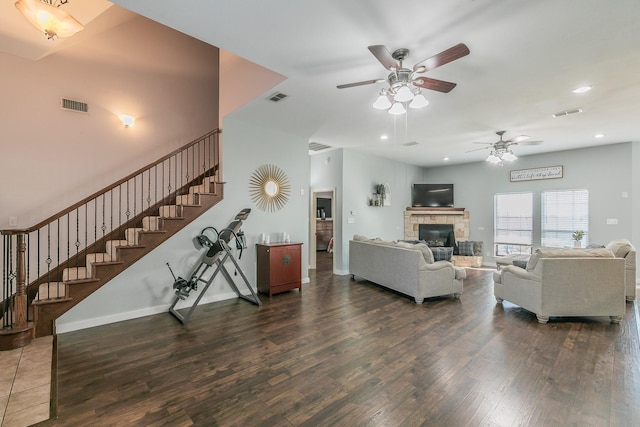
x=577 y=244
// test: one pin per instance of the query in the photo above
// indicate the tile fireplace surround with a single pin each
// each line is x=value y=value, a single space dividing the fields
x=458 y=217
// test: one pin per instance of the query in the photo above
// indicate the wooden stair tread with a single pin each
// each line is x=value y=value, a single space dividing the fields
x=114 y=262
x=81 y=281
x=51 y=301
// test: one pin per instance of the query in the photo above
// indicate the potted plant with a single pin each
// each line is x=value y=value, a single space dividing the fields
x=577 y=238
x=380 y=191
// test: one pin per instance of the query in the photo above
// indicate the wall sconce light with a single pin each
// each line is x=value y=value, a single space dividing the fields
x=127 y=120
x=47 y=17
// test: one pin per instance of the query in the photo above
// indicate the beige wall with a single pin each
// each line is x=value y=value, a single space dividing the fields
x=50 y=158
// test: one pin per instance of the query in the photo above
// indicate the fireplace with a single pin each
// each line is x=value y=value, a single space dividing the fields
x=437 y=234
x=416 y=217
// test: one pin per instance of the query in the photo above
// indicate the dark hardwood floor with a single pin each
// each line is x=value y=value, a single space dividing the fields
x=349 y=353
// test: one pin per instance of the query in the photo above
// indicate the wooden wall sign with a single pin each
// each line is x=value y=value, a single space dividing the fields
x=550 y=172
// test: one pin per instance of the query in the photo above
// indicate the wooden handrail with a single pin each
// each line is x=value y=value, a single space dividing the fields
x=108 y=188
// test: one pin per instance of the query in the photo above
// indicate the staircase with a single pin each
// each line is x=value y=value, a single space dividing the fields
x=75 y=252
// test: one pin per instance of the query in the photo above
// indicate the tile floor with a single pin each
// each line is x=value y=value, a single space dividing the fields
x=25 y=383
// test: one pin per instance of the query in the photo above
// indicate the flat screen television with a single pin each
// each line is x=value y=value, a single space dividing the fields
x=432 y=196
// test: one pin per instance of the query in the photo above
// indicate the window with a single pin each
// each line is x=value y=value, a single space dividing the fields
x=563 y=212
x=513 y=223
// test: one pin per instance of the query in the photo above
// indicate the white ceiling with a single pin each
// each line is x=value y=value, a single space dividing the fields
x=526 y=57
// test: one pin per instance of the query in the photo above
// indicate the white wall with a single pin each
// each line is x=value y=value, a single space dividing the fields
x=146 y=287
x=605 y=171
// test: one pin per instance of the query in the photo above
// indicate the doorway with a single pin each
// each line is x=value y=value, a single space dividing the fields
x=322 y=230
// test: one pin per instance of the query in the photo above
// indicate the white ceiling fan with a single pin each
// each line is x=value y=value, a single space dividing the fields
x=501 y=151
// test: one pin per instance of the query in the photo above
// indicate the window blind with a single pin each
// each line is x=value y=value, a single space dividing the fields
x=563 y=212
x=513 y=223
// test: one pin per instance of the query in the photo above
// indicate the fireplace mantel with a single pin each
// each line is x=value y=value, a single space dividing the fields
x=435 y=211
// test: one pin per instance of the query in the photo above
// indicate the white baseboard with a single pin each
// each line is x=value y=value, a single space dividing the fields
x=128 y=315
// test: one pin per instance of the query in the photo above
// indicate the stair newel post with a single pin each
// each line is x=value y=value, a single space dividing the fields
x=20 y=298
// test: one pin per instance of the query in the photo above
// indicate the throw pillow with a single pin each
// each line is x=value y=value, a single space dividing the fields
x=413 y=242
x=520 y=263
x=426 y=252
x=477 y=248
x=465 y=248
x=359 y=237
x=533 y=260
x=406 y=245
x=442 y=253
x=619 y=247
x=595 y=246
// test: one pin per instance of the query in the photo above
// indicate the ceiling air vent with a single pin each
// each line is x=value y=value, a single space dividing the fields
x=277 y=97
x=567 y=112
x=316 y=146
x=409 y=144
x=71 y=105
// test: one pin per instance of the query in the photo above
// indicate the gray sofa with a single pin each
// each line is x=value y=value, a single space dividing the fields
x=405 y=268
x=566 y=282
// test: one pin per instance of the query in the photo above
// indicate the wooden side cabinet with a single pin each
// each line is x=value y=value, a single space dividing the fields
x=279 y=267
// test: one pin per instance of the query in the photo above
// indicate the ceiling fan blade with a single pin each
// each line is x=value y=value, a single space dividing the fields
x=516 y=139
x=529 y=143
x=383 y=55
x=434 y=84
x=485 y=143
x=477 y=149
x=366 y=82
x=444 y=57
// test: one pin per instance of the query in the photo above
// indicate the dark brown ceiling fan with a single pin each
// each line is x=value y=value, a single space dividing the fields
x=401 y=76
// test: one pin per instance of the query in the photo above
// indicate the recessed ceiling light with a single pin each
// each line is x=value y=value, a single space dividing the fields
x=598 y=135
x=445 y=159
x=582 y=89
x=383 y=137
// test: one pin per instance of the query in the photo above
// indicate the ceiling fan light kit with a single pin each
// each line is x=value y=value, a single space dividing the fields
x=500 y=151
x=397 y=108
x=419 y=101
x=404 y=86
x=382 y=103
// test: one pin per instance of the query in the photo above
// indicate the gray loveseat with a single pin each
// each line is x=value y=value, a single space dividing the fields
x=405 y=268
x=566 y=282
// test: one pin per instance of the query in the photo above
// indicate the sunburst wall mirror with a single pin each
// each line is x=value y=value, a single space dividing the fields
x=269 y=188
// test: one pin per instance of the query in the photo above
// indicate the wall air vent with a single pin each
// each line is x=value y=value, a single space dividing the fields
x=316 y=146
x=409 y=144
x=71 y=105
x=567 y=112
x=277 y=97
